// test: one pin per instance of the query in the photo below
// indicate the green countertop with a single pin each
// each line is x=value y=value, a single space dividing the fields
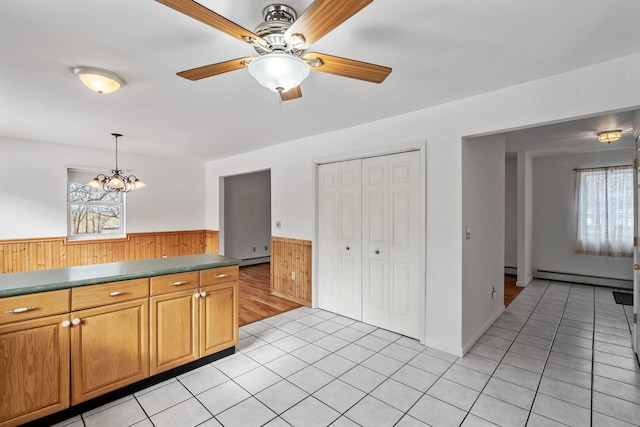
x=64 y=278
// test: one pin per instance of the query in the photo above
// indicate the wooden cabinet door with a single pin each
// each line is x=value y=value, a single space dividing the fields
x=174 y=330
x=218 y=317
x=34 y=369
x=109 y=348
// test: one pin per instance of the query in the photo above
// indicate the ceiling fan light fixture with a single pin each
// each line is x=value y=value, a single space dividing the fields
x=99 y=80
x=609 y=136
x=279 y=71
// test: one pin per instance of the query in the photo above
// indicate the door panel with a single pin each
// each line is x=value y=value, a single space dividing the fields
x=391 y=221
x=34 y=369
x=174 y=322
x=636 y=249
x=110 y=348
x=218 y=317
x=339 y=242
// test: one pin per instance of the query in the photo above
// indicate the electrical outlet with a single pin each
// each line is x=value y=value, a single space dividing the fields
x=468 y=233
x=254 y=249
x=278 y=224
x=293 y=275
x=266 y=248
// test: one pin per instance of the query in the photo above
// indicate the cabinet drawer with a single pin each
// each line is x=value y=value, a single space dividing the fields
x=218 y=275
x=174 y=282
x=109 y=293
x=32 y=306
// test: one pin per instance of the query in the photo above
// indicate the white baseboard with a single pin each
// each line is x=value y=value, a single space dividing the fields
x=443 y=347
x=583 y=279
x=524 y=284
x=481 y=331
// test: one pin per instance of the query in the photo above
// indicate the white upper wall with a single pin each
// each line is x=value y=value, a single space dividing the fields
x=33 y=189
x=554 y=216
x=603 y=87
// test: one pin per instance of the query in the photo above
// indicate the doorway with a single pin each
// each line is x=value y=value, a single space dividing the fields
x=247 y=217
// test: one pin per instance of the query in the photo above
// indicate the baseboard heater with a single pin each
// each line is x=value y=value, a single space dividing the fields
x=510 y=270
x=257 y=260
x=583 y=279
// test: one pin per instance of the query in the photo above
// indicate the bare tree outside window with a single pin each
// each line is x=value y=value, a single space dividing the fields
x=92 y=212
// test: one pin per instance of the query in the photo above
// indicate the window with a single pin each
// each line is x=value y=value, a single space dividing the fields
x=604 y=204
x=91 y=212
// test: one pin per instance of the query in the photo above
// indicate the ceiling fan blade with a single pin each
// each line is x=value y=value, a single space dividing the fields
x=215 y=69
x=209 y=17
x=322 y=17
x=348 y=67
x=294 y=93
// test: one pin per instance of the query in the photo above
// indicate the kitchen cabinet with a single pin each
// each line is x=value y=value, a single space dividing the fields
x=218 y=309
x=70 y=335
x=34 y=357
x=174 y=321
x=109 y=348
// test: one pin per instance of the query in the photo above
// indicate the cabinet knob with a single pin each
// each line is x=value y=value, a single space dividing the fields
x=220 y=276
x=196 y=296
x=76 y=321
x=115 y=293
x=203 y=294
x=347 y=248
x=377 y=252
x=65 y=324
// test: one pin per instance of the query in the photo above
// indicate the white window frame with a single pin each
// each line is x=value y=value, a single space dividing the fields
x=604 y=220
x=83 y=176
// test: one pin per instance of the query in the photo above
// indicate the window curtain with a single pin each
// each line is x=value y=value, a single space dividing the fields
x=604 y=205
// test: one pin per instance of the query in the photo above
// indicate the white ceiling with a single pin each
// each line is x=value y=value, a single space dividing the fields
x=440 y=50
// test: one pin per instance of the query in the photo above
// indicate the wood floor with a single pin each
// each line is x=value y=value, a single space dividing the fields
x=257 y=303
x=511 y=291
x=255 y=300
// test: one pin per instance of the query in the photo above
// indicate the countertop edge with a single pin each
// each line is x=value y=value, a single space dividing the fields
x=54 y=285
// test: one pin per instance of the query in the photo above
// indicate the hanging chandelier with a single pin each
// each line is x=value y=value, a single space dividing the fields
x=117 y=182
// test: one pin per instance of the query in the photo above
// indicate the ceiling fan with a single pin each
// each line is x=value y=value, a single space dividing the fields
x=281 y=42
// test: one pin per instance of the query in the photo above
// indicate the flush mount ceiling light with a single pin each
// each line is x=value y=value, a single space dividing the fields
x=99 y=80
x=609 y=136
x=117 y=182
x=279 y=71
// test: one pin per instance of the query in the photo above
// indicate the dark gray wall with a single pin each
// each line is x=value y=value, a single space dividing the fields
x=247 y=215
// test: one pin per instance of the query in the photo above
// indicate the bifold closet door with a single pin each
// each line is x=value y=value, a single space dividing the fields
x=391 y=242
x=340 y=239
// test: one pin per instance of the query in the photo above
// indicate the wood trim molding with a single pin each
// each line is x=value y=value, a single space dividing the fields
x=19 y=255
x=291 y=256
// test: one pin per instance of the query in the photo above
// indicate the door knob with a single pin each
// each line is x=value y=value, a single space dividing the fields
x=636 y=266
x=377 y=252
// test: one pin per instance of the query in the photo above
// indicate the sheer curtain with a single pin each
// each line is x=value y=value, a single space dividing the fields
x=604 y=204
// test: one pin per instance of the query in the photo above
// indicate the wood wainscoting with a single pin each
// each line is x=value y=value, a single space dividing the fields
x=56 y=252
x=290 y=256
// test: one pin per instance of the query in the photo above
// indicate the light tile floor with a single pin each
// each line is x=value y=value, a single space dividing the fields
x=559 y=355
